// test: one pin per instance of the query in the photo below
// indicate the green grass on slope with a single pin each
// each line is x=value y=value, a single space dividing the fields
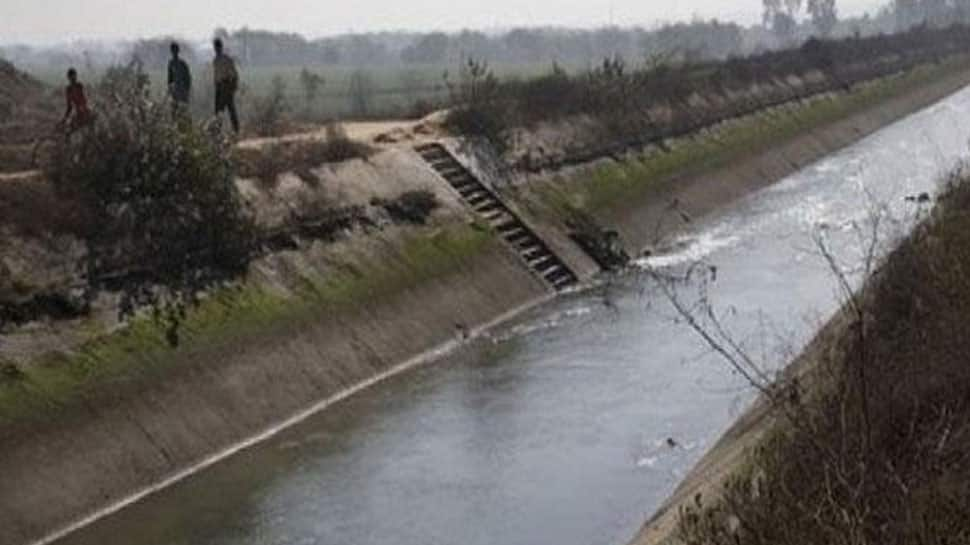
x=233 y=314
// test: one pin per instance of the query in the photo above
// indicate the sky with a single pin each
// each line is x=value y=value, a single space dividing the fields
x=60 y=21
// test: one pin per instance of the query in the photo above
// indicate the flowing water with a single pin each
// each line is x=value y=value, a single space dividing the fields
x=571 y=425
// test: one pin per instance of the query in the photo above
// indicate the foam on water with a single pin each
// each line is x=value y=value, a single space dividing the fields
x=692 y=249
x=554 y=320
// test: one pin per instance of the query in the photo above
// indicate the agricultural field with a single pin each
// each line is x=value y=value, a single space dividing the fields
x=346 y=92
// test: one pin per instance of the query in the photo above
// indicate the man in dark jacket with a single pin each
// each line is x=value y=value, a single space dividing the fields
x=179 y=82
x=227 y=83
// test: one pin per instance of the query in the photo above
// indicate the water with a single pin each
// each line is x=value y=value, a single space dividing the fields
x=555 y=428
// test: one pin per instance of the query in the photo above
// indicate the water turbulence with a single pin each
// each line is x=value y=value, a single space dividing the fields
x=572 y=424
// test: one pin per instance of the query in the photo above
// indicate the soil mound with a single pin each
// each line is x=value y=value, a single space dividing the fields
x=28 y=109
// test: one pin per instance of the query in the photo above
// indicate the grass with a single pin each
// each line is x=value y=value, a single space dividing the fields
x=232 y=315
x=615 y=184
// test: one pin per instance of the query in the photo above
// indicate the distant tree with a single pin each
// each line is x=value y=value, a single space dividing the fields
x=611 y=41
x=89 y=67
x=362 y=50
x=524 y=44
x=429 y=49
x=155 y=52
x=469 y=43
x=781 y=17
x=330 y=53
x=793 y=7
x=361 y=93
x=412 y=83
x=824 y=15
x=936 y=12
x=269 y=112
x=311 y=83
x=784 y=26
x=961 y=10
x=694 y=41
x=907 y=13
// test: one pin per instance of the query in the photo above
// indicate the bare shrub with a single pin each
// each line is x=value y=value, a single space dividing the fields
x=10 y=372
x=478 y=110
x=410 y=207
x=312 y=83
x=623 y=98
x=870 y=444
x=361 y=93
x=339 y=146
x=421 y=108
x=269 y=114
x=300 y=156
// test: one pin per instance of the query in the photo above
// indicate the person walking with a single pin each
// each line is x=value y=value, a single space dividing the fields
x=179 y=83
x=227 y=83
x=77 y=114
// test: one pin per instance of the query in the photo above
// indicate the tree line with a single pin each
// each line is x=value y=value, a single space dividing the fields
x=691 y=41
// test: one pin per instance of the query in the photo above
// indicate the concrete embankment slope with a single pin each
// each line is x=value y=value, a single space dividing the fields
x=93 y=425
x=350 y=311
x=131 y=436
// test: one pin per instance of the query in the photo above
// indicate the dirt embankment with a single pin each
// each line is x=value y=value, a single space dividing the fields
x=91 y=414
x=26 y=105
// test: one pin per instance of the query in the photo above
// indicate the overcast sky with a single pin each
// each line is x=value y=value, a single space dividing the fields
x=48 y=21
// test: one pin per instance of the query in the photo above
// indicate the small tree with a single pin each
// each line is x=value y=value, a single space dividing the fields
x=824 y=16
x=165 y=214
x=311 y=82
x=269 y=112
x=781 y=17
x=475 y=98
x=361 y=93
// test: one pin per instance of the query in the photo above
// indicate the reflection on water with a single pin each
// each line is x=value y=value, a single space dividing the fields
x=572 y=424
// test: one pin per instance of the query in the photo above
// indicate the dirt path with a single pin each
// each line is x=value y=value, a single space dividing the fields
x=22 y=176
x=377 y=133
x=380 y=133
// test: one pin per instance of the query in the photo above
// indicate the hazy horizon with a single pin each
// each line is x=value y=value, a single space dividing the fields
x=63 y=21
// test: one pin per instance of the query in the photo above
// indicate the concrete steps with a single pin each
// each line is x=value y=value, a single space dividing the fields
x=534 y=252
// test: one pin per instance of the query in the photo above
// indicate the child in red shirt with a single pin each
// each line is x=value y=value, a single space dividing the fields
x=76 y=102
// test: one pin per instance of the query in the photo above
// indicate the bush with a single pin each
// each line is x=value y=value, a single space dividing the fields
x=361 y=93
x=166 y=214
x=421 y=108
x=270 y=112
x=648 y=103
x=477 y=109
x=300 y=156
x=410 y=207
x=10 y=372
x=875 y=449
